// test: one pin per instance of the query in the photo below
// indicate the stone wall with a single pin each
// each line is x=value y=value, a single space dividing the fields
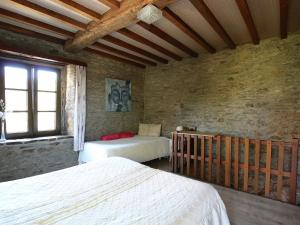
x=42 y=155
x=253 y=91
x=21 y=160
x=99 y=122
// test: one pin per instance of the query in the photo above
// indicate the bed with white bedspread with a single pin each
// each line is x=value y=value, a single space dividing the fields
x=137 y=148
x=114 y=191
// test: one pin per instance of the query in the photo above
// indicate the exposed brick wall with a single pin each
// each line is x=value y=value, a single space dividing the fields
x=253 y=91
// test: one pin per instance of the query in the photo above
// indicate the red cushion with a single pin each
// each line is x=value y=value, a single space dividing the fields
x=115 y=136
x=128 y=134
x=109 y=137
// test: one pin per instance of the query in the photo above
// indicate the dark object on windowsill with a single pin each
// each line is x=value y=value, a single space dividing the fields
x=182 y=128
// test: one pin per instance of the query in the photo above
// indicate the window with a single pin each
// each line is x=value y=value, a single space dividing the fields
x=32 y=99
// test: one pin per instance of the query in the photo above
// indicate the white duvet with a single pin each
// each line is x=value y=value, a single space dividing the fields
x=113 y=191
x=137 y=148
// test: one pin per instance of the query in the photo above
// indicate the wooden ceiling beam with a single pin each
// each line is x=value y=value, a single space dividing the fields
x=33 y=34
x=163 y=4
x=111 y=21
x=113 y=4
x=166 y=37
x=70 y=4
x=212 y=20
x=30 y=21
x=107 y=55
x=141 y=39
x=125 y=54
x=25 y=53
x=180 y=24
x=50 y=13
x=66 y=33
x=30 y=33
x=284 y=5
x=130 y=47
x=246 y=14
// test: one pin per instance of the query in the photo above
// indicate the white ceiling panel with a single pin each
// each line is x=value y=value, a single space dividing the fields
x=148 y=35
x=94 y=5
x=139 y=45
x=16 y=8
x=229 y=16
x=54 y=6
x=30 y=27
x=187 y=12
x=266 y=17
x=172 y=30
x=124 y=49
x=93 y=47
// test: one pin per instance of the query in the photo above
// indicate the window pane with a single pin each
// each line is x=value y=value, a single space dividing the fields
x=16 y=100
x=46 y=121
x=16 y=77
x=17 y=123
x=46 y=101
x=47 y=80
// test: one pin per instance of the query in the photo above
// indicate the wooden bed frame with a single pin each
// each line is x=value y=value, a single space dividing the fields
x=264 y=167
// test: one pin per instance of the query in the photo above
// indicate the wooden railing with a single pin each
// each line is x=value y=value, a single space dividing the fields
x=264 y=167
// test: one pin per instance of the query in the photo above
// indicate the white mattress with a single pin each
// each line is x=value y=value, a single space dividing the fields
x=137 y=148
x=114 y=191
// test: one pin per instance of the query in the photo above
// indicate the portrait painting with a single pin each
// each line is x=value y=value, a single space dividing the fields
x=118 y=95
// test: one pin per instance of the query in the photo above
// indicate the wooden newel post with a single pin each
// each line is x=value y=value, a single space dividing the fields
x=293 y=178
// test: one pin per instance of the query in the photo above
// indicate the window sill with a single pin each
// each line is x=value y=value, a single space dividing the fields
x=38 y=139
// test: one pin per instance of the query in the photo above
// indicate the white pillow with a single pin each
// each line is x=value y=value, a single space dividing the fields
x=152 y=130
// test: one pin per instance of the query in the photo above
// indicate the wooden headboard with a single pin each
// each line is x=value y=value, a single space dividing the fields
x=264 y=167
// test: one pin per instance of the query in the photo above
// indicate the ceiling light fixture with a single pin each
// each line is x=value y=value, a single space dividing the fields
x=149 y=14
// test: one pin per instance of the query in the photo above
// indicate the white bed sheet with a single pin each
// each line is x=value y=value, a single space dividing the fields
x=137 y=148
x=114 y=191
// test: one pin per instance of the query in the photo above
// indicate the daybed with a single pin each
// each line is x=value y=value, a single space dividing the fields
x=137 y=148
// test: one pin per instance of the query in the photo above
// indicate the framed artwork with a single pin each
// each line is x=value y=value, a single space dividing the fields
x=118 y=95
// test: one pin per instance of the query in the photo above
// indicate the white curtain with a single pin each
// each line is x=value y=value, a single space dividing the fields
x=80 y=108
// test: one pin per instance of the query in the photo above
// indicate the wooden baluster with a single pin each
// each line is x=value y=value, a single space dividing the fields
x=195 y=154
x=210 y=158
x=172 y=154
x=218 y=152
x=179 y=152
x=256 y=165
x=188 y=154
x=228 y=162
x=280 y=169
x=293 y=178
x=246 y=165
x=175 y=148
x=182 y=154
x=202 y=157
x=268 y=168
x=236 y=162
